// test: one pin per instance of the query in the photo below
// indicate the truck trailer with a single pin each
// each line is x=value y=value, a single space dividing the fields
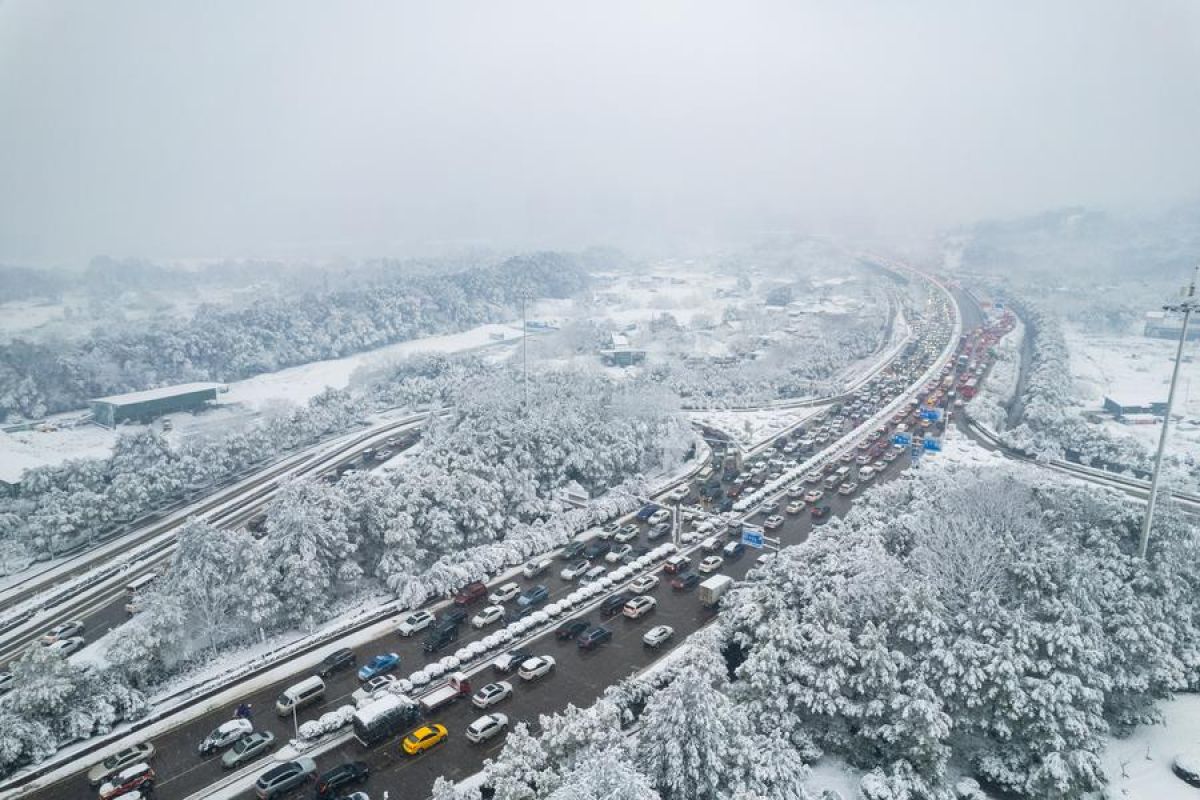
x=712 y=590
x=383 y=718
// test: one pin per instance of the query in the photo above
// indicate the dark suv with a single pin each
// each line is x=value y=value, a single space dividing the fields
x=337 y=661
x=594 y=638
x=471 y=593
x=614 y=603
x=596 y=548
x=332 y=781
x=439 y=637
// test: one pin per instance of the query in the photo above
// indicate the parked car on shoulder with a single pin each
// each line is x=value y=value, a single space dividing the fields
x=64 y=630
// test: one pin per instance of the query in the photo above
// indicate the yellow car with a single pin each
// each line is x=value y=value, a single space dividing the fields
x=423 y=738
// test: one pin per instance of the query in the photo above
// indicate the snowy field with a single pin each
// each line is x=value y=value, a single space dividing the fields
x=1139 y=767
x=1137 y=368
x=245 y=400
x=748 y=428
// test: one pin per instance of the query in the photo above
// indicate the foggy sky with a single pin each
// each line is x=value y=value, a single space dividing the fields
x=203 y=129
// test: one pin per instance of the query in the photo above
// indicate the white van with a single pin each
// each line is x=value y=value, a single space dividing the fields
x=304 y=693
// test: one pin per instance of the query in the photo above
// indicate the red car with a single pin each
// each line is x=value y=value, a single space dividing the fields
x=471 y=593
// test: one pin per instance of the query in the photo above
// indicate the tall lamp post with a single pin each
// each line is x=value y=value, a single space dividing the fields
x=1188 y=305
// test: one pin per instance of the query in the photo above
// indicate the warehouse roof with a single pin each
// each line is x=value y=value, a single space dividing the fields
x=160 y=393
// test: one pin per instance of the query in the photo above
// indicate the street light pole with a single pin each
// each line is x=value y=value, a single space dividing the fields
x=1187 y=307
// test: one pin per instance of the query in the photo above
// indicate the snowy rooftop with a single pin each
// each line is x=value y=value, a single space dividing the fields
x=156 y=394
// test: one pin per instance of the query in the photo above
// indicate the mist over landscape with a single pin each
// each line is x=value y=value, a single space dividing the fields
x=550 y=401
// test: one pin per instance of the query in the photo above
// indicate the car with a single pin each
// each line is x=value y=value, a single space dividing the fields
x=633 y=555
x=609 y=528
x=725 y=505
x=64 y=630
x=643 y=583
x=574 y=570
x=384 y=662
x=814 y=496
x=710 y=564
x=891 y=455
x=509 y=661
x=486 y=727
x=773 y=522
x=470 y=594
x=336 y=661
x=796 y=490
x=132 y=778
x=794 y=507
x=676 y=564
x=593 y=574
x=439 y=637
x=679 y=493
x=733 y=550
x=862 y=460
x=658 y=531
x=1186 y=767
x=331 y=781
x=225 y=734
x=533 y=597
x=487 y=616
x=505 y=593
x=685 y=581
x=662 y=515
x=646 y=511
x=370 y=688
x=533 y=668
x=596 y=548
x=247 y=748
x=639 y=606
x=571 y=629
x=613 y=604
x=119 y=761
x=627 y=534
x=593 y=638
x=423 y=738
x=572 y=551
x=491 y=694
x=848 y=488
x=535 y=566
x=615 y=555
x=658 y=636
x=711 y=545
x=415 y=622
x=67 y=646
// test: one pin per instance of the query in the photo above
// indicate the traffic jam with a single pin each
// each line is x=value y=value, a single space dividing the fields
x=437 y=694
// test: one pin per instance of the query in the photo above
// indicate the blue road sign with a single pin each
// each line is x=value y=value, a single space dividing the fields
x=933 y=445
x=902 y=438
x=931 y=414
x=752 y=537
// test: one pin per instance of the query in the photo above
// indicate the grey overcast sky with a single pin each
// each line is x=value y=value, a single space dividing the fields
x=202 y=129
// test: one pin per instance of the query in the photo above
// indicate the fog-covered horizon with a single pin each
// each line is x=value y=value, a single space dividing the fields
x=299 y=130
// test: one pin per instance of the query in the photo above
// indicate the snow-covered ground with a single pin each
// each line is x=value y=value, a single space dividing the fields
x=1136 y=368
x=53 y=444
x=1139 y=767
x=748 y=428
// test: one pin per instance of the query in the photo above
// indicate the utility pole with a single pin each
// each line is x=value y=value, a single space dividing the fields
x=524 y=353
x=1187 y=307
